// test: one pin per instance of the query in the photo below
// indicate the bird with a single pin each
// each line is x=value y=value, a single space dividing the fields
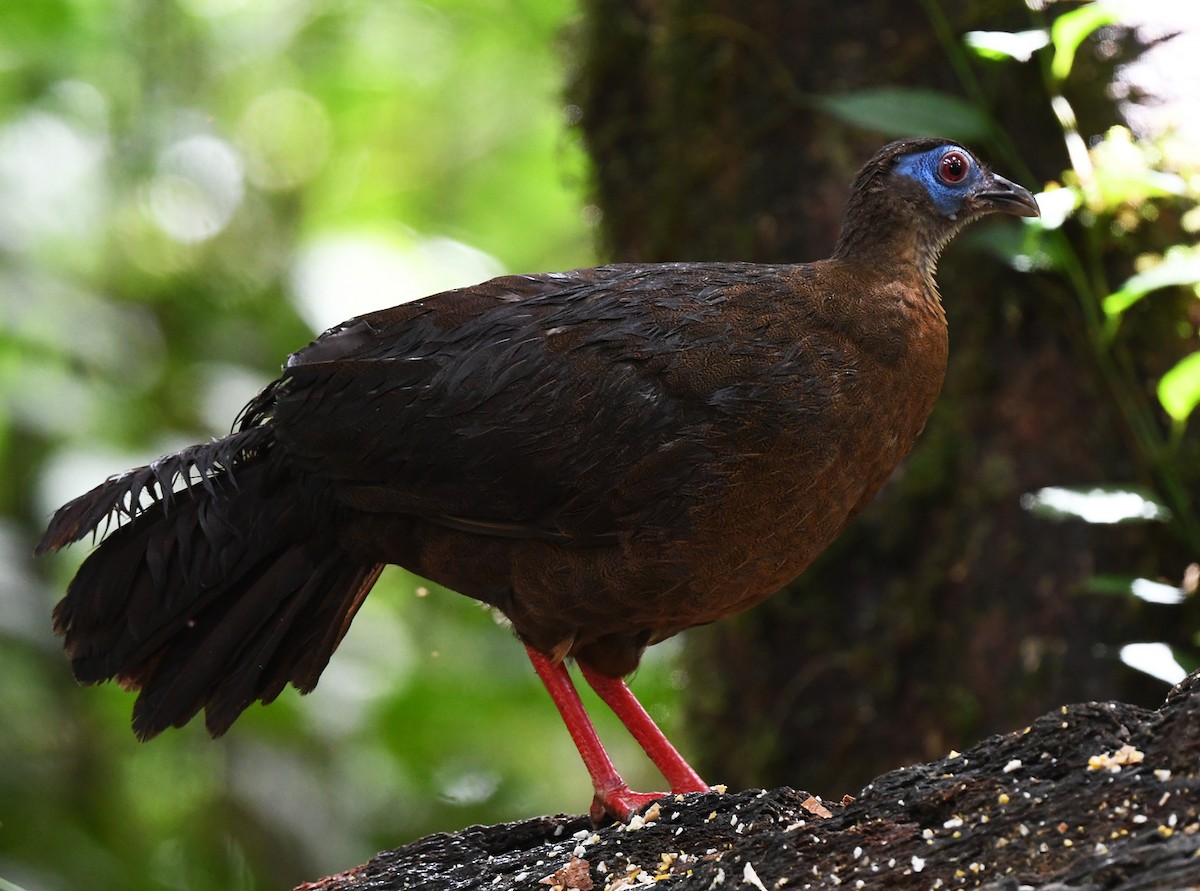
x=606 y=456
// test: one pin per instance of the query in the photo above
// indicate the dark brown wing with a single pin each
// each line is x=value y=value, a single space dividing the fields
x=547 y=406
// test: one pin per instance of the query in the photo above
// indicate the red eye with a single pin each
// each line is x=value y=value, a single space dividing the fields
x=953 y=168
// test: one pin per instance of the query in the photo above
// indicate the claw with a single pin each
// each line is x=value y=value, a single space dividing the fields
x=621 y=804
x=613 y=796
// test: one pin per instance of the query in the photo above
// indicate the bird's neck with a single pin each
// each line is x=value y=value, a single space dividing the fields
x=897 y=249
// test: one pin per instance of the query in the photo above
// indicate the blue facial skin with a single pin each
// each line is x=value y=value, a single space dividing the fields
x=923 y=167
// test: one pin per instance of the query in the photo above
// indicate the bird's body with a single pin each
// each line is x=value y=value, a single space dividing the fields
x=596 y=442
x=608 y=456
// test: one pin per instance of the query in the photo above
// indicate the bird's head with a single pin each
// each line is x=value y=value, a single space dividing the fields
x=958 y=186
x=913 y=195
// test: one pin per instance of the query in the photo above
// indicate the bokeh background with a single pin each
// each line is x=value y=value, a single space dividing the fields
x=192 y=189
x=188 y=192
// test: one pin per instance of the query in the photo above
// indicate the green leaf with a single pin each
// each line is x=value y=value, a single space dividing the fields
x=1187 y=660
x=1024 y=248
x=1019 y=45
x=1120 y=182
x=1179 y=389
x=1133 y=587
x=897 y=111
x=1071 y=29
x=1181 y=267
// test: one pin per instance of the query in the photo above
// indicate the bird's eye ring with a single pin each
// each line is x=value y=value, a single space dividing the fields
x=953 y=168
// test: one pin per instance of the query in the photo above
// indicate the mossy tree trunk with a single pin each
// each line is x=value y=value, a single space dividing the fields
x=946 y=612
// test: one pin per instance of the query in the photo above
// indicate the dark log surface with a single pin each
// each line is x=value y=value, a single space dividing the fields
x=1090 y=796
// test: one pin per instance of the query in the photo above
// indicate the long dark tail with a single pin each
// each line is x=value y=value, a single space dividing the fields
x=212 y=596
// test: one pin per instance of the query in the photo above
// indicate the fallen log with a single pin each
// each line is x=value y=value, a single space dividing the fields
x=1090 y=796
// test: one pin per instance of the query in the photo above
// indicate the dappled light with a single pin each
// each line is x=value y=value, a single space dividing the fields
x=1095 y=505
x=191 y=191
x=344 y=274
x=1155 y=659
x=287 y=136
x=197 y=188
x=1156 y=592
x=51 y=176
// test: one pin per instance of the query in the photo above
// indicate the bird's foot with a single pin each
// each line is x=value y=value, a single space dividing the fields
x=621 y=804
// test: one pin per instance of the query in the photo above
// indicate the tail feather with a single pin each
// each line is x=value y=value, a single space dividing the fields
x=222 y=583
x=119 y=498
x=294 y=647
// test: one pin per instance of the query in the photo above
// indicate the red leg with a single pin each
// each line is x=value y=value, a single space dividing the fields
x=613 y=795
x=653 y=741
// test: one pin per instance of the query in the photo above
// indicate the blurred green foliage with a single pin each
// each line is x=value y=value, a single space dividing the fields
x=1122 y=192
x=1116 y=188
x=189 y=191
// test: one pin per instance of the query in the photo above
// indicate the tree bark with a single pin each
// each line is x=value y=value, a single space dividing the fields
x=946 y=612
x=1100 y=795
